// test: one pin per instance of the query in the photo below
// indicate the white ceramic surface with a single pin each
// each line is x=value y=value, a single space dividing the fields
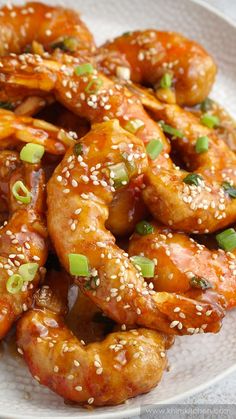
x=195 y=362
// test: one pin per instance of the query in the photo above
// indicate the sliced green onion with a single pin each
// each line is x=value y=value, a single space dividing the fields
x=209 y=120
x=202 y=145
x=206 y=105
x=92 y=283
x=32 y=153
x=153 y=148
x=28 y=271
x=133 y=125
x=200 y=283
x=119 y=174
x=143 y=228
x=130 y=164
x=78 y=264
x=6 y=105
x=227 y=239
x=166 y=81
x=170 y=130
x=147 y=266
x=78 y=149
x=126 y=33
x=83 y=69
x=230 y=189
x=14 y=284
x=69 y=44
x=20 y=187
x=192 y=179
x=93 y=86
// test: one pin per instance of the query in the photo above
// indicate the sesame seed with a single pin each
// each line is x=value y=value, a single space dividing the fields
x=177 y=310
x=174 y=323
x=78 y=388
x=90 y=400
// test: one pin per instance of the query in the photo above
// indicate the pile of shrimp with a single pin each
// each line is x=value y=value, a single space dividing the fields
x=117 y=201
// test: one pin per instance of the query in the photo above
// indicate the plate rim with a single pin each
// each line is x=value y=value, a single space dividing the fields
x=134 y=411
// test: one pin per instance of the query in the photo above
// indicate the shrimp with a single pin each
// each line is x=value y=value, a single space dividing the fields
x=22 y=243
x=193 y=202
x=183 y=265
x=100 y=373
x=226 y=129
x=84 y=187
x=56 y=26
x=15 y=129
x=93 y=97
x=180 y=205
x=9 y=161
x=150 y=54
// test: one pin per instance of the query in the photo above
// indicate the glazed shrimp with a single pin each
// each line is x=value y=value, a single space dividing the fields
x=9 y=161
x=196 y=202
x=100 y=373
x=226 y=129
x=16 y=129
x=181 y=205
x=56 y=26
x=82 y=186
x=22 y=242
x=150 y=54
x=183 y=265
x=93 y=97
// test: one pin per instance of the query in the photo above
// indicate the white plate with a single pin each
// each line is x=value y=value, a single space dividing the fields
x=198 y=361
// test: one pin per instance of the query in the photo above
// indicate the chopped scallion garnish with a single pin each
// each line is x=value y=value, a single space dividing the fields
x=146 y=266
x=6 y=105
x=83 y=69
x=126 y=33
x=229 y=189
x=130 y=164
x=28 y=271
x=78 y=264
x=133 y=125
x=78 y=149
x=206 y=105
x=119 y=174
x=192 y=179
x=166 y=81
x=69 y=44
x=227 y=239
x=153 y=148
x=171 y=130
x=210 y=121
x=21 y=193
x=144 y=228
x=202 y=145
x=92 y=283
x=200 y=283
x=93 y=86
x=32 y=153
x=14 y=284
